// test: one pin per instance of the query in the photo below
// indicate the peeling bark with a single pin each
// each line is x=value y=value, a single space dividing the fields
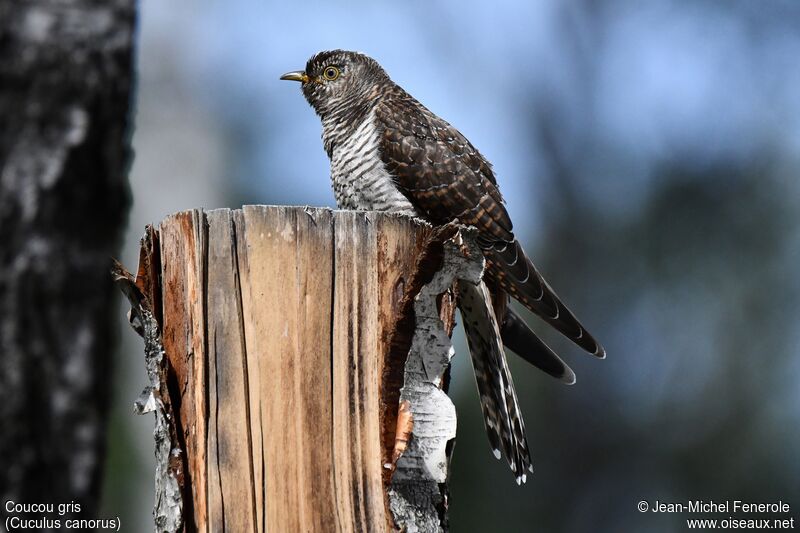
x=418 y=494
x=168 y=507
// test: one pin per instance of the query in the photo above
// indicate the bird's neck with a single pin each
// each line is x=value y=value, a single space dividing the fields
x=343 y=116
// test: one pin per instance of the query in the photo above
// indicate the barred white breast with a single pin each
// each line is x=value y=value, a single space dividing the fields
x=358 y=174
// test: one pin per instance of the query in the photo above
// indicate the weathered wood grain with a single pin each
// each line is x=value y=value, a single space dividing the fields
x=356 y=336
x=252 y=355
x=287 y=325
x=183 y=249
x=231 y=492
x=313 y=379
x=286 y=331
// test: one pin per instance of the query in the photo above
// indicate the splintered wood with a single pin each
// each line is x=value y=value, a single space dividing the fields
x=286 y=332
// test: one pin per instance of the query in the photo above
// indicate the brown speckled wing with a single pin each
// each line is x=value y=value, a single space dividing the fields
x=438 y=169
x=446 y=178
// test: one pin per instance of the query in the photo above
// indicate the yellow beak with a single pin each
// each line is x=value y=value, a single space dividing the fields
x=297 y=75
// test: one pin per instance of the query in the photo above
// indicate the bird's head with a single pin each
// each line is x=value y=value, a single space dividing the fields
x=335 y=77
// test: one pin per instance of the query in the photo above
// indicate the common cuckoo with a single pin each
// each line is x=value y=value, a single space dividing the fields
x=390 y=153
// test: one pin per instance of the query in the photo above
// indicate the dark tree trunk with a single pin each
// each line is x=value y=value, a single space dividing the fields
x=65 y=88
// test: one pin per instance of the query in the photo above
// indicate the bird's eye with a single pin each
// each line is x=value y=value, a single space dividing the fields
x=330 y=73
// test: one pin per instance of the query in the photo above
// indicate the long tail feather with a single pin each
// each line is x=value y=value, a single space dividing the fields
x=511 y=269
x=501 y=411
x=521 y=340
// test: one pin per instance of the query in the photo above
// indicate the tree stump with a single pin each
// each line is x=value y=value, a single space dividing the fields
x=298 y=361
